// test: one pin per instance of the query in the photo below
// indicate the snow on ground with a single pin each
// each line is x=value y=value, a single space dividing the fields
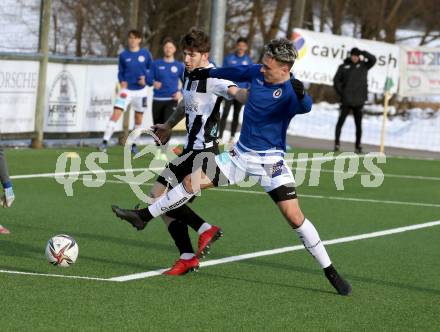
x=416 y=129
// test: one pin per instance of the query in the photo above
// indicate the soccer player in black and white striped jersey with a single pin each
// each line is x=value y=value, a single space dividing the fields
x=201 y=107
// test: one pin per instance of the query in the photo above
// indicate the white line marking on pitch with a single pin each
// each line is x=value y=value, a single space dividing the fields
x=212 y=262
x=143 y=275
x=52 y=275
x=120 y=170
x=339 y=198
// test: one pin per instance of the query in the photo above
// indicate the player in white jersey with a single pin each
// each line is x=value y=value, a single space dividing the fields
x=201 y=107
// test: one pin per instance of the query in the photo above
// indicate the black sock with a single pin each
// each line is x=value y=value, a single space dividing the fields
x=179 y=232
x=187 y=216
x=104 y=141
x=145 y=214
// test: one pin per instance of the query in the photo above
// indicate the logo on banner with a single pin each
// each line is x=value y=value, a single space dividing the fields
x=300 y=44
x=414 y=82
x=63 y=101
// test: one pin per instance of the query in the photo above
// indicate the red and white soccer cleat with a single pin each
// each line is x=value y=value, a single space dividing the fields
x=183 y=266
x=206 y=239
x=4 y=230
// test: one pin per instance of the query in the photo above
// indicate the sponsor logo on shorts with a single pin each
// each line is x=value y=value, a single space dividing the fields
x=223 y=158
x=277 y=169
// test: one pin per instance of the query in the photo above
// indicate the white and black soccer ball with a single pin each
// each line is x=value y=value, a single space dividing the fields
x=62 y=250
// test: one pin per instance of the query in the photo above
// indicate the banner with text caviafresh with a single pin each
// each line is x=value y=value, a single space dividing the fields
x=320 y=55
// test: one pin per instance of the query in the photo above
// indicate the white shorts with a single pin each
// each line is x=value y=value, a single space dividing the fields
x=137 y=99
x=267 y=168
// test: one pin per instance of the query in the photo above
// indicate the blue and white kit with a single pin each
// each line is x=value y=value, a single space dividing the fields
x=132 y=66
x=262 y=144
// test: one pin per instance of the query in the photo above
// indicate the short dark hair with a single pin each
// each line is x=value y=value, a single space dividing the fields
x=241 y=40
x=282 y=50
x=135 y=33
x=169 y=40
x=196 y=40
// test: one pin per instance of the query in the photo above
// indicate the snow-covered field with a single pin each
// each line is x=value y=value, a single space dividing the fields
x=416 y=129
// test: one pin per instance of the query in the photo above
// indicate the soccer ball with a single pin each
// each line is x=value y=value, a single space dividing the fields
x=62 y=250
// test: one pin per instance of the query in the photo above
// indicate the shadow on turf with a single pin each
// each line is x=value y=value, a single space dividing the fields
x=259 y=282
x=350 y=277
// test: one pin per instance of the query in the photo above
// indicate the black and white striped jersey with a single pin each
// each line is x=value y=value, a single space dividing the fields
x=202 y=100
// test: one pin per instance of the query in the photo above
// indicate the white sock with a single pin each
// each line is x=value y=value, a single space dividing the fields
x=205 y=226
x=109 y=130
x=313 y=244
x=176 y=197
x=136 y=126
x=186 y=256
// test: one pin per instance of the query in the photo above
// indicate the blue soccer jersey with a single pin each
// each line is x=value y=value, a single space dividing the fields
x=133 y=65
x=269 y=108
x=169 y=74
x=232 y=60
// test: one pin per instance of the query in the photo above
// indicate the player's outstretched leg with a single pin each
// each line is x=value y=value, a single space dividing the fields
x=175 y=198
x=310 y=238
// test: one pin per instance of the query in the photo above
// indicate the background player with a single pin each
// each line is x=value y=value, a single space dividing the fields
x=237 y=58
x=133 y=71
x=165 y=76
x=274 y=99
x=8 y=196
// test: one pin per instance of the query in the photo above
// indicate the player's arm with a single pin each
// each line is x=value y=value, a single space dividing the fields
x=235 y=73
x=239 y=94
x=163 y=130
x=121 y=72
x=305 y=101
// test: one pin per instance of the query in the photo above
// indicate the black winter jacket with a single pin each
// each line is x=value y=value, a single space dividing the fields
x=350 y=81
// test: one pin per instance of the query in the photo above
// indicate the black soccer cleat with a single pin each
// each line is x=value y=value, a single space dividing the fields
x=131 y=216
x=339 y=283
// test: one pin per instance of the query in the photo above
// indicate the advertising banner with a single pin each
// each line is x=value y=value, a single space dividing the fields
x=419 y=71
x=18 y=95
x=320 y=55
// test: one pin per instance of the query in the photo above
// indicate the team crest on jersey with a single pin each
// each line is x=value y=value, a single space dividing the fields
x=277 y=93
x=173 y=69
x=141 y=58
x=245 y=63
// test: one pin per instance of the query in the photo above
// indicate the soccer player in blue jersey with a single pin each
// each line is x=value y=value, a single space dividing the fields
x=275 y=97
x=166 y=74
x=133 y=72
x=7 y=198
x=237 y=58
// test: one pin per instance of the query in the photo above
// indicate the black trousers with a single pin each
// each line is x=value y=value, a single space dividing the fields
x=357 y=114
x=162 y=110
x=234 y=125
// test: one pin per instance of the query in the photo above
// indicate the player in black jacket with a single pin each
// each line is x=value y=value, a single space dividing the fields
x=350 y=82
